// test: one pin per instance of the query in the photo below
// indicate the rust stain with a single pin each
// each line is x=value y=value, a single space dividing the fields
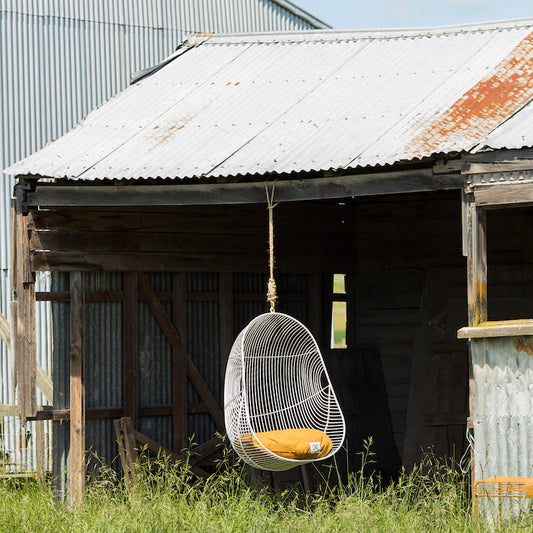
x=521 y=345
x=506 y=89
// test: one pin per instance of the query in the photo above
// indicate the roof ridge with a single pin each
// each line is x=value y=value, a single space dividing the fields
x=350 y=34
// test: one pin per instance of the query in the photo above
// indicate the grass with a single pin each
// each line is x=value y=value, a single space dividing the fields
x=432 y=498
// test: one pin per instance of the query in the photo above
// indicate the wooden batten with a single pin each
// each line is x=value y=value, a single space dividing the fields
x=226 y=302
x=179 y=362
x=131 y=346
x=77 y=389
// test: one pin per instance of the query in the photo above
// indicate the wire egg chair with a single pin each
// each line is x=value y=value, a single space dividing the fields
x=279 y=405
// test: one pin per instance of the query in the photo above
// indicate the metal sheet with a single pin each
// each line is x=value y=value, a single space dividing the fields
x=503 y=413
x=231 y=105
x=59 y=60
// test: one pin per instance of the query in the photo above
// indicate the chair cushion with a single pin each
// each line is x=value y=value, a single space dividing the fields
x=302 y=443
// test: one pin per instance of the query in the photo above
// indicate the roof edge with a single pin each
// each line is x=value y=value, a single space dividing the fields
x=301 y=13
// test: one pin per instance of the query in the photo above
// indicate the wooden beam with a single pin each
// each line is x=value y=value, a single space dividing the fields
x=509 y=328
x=131 y=346
x=175 y=340
x=77 y=389
x=498 y=161
x=498 y=195
x=66 y=261
x=405 y=181
x=179 y=362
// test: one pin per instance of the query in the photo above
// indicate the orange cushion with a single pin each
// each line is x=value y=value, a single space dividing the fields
x=302 y=443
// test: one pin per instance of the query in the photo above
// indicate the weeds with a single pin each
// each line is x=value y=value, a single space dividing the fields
x=433 y=497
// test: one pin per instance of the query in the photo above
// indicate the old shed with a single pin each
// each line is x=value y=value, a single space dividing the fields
x=154 y=226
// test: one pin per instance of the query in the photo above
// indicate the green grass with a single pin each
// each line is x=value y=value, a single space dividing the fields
x=432 y=498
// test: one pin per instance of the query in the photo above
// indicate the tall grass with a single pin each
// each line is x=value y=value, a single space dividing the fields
x=431 y=498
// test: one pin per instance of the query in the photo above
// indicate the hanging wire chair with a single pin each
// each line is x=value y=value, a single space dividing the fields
x=279 y=405
x=280 y=408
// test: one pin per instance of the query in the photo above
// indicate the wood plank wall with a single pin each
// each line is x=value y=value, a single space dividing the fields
x=411 y=298
x=403 y=253
x=234 y=238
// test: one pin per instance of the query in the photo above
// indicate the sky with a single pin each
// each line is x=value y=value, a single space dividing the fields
x=412 y=13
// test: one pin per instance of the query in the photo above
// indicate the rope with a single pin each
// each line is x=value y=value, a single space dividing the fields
x=271 y=288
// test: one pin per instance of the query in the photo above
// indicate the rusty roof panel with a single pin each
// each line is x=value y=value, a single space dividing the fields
x=288 y=102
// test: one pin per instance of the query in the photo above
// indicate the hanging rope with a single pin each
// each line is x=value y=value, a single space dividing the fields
x=271 y=289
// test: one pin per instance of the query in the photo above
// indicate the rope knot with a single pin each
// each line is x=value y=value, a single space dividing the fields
x=272 y=297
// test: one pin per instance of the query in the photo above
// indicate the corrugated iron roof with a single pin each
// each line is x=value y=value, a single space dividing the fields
x=283 y=102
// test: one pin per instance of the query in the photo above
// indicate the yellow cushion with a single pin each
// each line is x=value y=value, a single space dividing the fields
x=302 y=443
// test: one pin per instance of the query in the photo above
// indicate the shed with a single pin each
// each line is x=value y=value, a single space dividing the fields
x=153 y=224
x=59 y=61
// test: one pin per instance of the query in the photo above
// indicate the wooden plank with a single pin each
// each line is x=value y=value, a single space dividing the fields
x=130 y=446
x=53 y=195
x=46 y=412
x=174 y=338
x=177 y=262
x=488 y=329
x=77 y=389
x=131 y=346
x=420 y=362
x=226 y=302
x=44 y=383
x=13 y=349
x=121 y=444
x=5 y=330
x=40 y=450
x=510 y=195
x=216 y=242
x=179 y=362
x=497 y=156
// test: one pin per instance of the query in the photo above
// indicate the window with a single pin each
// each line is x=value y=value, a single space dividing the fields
x=338 y=312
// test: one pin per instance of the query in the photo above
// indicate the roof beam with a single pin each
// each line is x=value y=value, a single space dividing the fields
x=112 y=195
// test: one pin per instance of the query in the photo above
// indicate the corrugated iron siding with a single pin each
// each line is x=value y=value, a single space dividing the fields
x=503 y=413
x=58 y=61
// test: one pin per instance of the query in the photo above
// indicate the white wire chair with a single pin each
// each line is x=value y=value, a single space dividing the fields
x=276 y=381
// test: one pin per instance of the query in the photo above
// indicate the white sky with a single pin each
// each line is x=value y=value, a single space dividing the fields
x=407 y=13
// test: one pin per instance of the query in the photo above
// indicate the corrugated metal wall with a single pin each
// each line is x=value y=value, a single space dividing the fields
x=59 y=60
x=503 y=413
x=104 y=353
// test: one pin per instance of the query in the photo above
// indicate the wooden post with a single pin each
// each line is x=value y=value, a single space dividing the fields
x=24 y=328
x=179 y=361
x=77 y=389
x=131 y=346
x=476 y=249
x=477 y=263
x=226 y=323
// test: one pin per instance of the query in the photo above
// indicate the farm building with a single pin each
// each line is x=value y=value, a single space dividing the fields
x=59 y=61
x=394 y=153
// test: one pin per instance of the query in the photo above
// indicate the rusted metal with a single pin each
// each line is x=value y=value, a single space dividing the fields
x=497 y=96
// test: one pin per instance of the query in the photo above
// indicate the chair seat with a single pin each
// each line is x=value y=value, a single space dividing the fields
x=301 y=443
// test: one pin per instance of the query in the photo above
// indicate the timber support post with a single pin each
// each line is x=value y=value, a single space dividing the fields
x=77 y=389
x=23 y=285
